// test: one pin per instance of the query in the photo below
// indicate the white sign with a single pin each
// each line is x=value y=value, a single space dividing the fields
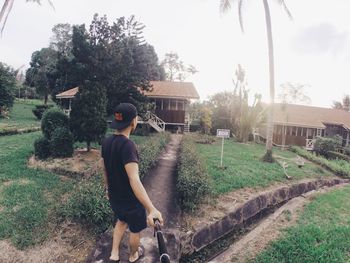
x=223 y=133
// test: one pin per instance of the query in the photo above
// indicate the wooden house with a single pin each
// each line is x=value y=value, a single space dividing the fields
x=170 y=98
x=300 y=125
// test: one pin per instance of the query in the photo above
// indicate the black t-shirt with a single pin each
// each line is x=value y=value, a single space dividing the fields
x=117 y=151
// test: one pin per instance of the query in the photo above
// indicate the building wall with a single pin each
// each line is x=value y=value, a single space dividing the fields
x=171 y=110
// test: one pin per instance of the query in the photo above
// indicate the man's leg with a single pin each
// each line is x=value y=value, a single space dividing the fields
x=134 y=243
x=118 y=233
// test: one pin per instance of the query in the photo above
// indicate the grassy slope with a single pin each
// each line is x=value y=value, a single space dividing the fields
x=21 y=116
x=322 y=233
x=244 y=168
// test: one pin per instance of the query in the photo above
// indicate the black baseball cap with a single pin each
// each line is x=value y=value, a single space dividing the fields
x=124 y=113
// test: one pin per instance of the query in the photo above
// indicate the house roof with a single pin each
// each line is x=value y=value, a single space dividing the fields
x=172 y=89
x=160 y=89
x=309 y=116
x=68 y=93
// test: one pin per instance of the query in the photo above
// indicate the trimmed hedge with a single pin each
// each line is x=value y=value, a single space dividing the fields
x=61 y=143
x=42 y=148
x=13 y=131
x=52 y=120
x=150 y=150
x=339 y=167
x=40 y=109
x=193 y=182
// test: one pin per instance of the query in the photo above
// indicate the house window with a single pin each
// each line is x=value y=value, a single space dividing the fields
x=173 y=105
x=303 y=133
x=180 y=105
x=166 y=105
x=158 y=104
x=294 y=131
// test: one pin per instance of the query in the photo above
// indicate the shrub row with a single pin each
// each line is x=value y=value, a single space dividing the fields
x=13 y=131
x=88 y=205
x=339 y=167
x=150 y=150
x=340 y=156
x=193 y=182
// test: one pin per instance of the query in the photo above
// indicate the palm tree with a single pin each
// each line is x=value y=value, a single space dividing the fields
x=225 y=5
x=6 y=9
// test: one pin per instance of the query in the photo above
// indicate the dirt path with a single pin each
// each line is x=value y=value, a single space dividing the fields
x=269 y=229
x=160 y=186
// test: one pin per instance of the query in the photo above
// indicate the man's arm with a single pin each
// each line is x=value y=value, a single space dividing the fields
x=132 y=169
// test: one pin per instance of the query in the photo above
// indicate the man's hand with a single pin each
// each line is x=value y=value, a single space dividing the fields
x=154 y=214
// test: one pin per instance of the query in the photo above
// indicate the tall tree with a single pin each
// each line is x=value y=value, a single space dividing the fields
x=225 y=5
x=175 y=68
x=61 y=40
x=343 y=105
x=41 y=73
x=87 y=118
x=293 y=93
x=7 y=88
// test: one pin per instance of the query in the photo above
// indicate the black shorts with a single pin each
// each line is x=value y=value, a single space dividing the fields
x=133 y=215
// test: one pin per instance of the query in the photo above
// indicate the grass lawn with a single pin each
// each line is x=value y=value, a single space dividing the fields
x=322 y=234
x=245 y=169
x=27 y=196
x=21 y=116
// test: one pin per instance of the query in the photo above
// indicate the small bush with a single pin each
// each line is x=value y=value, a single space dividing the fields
x=193 y=182
x=40 y=109
x=42 y=148
x=325 y=145
x=53 y=119
x=150 y=150
x=347 y=150
x=340 y=156
x=88 y=205
x=61 y=143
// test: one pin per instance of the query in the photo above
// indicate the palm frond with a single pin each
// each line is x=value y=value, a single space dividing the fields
x=240 y=15
x=225 y=5
x=285 y=7
x=8 y=5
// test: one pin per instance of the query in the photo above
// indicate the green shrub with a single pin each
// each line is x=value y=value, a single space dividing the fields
x=42 y=148
x=339 y=167
x=340 y=156
x=150 y=150
x=347 y=150
x=193 y=182
x=88 y=205
x=61 y=143
x=40 y=109
x=53 y=119
x=325 y=145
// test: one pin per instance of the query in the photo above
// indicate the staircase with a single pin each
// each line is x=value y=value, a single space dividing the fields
x=187 y=128
x=156 y=123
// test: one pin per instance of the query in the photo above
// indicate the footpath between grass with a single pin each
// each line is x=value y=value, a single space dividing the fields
x=322 y=234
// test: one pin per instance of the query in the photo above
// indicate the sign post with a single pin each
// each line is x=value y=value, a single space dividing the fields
x=222 y=133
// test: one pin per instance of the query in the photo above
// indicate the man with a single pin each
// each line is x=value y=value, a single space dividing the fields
x=127 y=196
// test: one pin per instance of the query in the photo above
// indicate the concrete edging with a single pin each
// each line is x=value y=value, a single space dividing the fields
x=193 y=241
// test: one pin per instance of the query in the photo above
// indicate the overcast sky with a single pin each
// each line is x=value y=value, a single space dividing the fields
x=313 y=48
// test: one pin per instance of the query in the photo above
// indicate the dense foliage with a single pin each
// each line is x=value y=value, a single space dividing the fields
x=87 y=118
x=7 y=88
x=324 y=145
x=42 y=148
x=52 y=120
x=61 y=143
x=40 y=109
x=193 y=182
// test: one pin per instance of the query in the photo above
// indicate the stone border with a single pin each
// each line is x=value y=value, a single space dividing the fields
x=193 y=241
